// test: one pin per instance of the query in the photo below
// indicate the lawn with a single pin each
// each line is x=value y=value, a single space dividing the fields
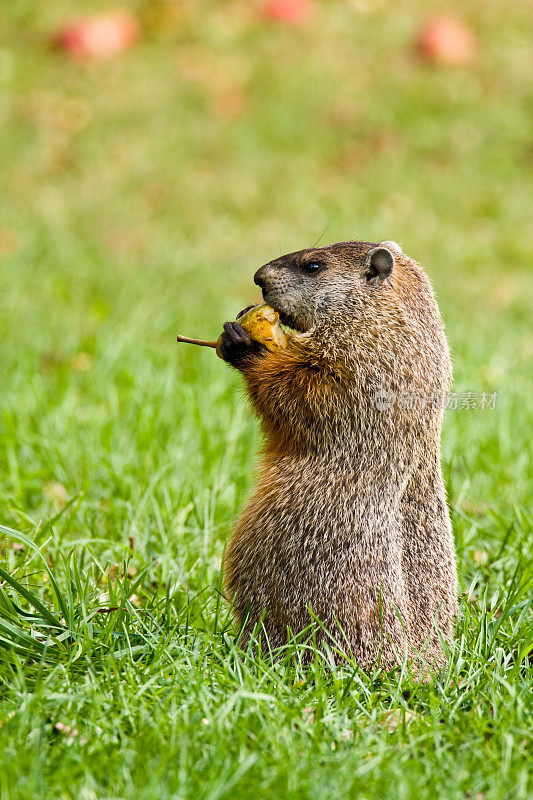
x=138 y=197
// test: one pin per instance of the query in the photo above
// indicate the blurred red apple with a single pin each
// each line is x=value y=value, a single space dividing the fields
x=99 y=35
x=446 y=40
x=294 y=12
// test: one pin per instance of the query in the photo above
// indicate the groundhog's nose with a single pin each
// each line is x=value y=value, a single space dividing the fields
x=260 y=278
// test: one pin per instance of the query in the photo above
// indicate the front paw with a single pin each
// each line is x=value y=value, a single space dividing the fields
x=236 y=345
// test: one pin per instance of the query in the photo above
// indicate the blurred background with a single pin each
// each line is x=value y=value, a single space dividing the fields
x=155 y=154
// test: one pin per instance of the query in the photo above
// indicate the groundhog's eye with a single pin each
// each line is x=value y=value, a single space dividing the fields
x=313 y=266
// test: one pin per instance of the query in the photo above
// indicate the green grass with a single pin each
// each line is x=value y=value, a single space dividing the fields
x=138 y=197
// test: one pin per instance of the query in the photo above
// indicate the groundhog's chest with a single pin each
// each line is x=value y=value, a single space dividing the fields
x=301 y=526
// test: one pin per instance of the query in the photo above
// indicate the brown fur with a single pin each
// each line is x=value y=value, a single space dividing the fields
x=349 y=515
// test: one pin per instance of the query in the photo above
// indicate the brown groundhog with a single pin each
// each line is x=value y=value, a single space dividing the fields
x=349 y=516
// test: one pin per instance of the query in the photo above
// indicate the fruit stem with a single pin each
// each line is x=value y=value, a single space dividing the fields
x=201 y=342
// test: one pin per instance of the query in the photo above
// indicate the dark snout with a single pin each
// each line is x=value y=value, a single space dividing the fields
x=261 y=276
x=281 y=288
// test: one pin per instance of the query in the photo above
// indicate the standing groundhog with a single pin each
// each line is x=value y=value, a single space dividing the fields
x=349 y=517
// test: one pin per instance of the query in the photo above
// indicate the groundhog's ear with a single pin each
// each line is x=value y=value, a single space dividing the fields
x=378 y=265
x=394 y=247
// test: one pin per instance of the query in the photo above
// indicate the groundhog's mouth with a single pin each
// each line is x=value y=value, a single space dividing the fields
x=288 y=321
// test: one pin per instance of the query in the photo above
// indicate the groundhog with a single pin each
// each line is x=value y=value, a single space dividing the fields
x=348 y=523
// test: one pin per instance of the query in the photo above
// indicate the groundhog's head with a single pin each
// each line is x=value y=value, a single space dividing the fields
x=308 y=286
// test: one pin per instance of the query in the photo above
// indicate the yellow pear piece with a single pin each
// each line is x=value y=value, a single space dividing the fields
x=261 y=322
